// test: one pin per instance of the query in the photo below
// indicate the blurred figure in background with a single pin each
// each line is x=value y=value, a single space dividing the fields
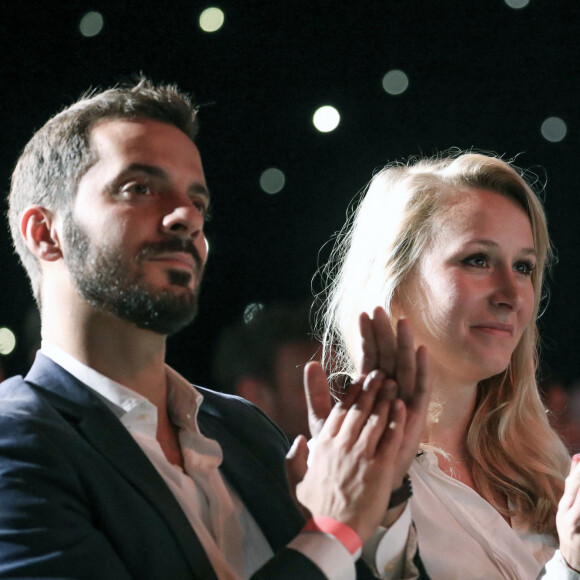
x=563 y=404
x=263 y=360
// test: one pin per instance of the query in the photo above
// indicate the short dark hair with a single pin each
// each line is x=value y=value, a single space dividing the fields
x=60 y=153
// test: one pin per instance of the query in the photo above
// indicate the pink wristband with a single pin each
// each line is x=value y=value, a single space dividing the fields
x=343 y=533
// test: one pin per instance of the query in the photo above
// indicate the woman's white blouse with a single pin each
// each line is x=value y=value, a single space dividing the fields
x=462 y=537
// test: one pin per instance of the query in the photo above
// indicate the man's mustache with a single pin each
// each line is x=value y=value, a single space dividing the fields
x=173 y=244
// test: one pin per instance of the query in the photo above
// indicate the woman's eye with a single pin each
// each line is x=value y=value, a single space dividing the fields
x=525 y=268
x=478 y=261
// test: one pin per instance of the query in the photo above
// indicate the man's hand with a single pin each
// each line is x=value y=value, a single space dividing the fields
x=397 y=358
x=352 y=467
x=568 y=517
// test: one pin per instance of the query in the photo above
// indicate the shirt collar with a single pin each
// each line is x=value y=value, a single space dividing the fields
x=183 y=401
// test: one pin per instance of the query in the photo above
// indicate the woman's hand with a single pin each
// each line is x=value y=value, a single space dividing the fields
x=568 y=517
x=396 y=356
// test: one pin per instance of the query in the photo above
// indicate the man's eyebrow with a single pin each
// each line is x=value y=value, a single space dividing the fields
x=200 y=189
x=154 y=171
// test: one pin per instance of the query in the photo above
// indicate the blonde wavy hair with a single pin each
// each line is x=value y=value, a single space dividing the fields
x=513 y=451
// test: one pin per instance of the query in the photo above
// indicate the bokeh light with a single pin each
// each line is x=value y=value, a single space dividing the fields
x=7 y=341
x=272 y=180
x=395 y=82
x=517 y=4
x=91 y=24
x=251 y=311
x=211 y=19
x=554 y=129
x=326 y=119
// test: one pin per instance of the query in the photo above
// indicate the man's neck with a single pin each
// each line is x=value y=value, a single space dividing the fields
x=119 y=350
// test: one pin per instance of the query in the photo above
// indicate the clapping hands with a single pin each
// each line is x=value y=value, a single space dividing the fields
x=367 y=441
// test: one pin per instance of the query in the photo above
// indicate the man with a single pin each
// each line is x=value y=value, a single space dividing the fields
x=263 y=360
x=111 y=464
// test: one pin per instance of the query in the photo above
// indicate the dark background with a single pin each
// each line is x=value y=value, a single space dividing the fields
x=482 y=75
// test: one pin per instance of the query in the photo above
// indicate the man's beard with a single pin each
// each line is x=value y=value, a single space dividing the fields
x=106 y=280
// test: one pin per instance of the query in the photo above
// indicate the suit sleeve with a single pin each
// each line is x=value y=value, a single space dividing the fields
x=288 y=564
x=46 y=530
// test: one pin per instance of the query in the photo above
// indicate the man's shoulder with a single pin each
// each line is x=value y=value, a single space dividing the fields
x=18 y=395
x=225 y=405
x=242 y=417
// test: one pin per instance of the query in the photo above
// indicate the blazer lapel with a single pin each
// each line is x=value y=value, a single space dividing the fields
x=108 y=436
x=265 y=495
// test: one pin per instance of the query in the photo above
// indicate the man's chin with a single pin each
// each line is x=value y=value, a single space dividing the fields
x=181 y=279
x=166 y=313
x=164 y=318
x=165 y=327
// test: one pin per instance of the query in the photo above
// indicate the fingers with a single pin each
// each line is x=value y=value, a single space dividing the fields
x=379 y=420
x=406 y=364
x=296 y=468
x=385 y=342
x=572 y=486
x=339 y=412
x=423 y=382
x=392 y=437
x=318 y=398
x=297 y=461
x=369 y=409
x=415 y=414
x=575 y=461
x=370 y=358
x=378 y=343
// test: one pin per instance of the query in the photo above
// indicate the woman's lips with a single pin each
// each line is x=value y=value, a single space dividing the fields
x=495 y=328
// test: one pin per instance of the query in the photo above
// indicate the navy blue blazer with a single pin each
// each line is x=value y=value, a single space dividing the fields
x=79 y=499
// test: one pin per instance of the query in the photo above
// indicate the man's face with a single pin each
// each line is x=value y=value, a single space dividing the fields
x=134 y=243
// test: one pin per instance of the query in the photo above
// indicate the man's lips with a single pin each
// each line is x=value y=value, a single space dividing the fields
x=176 y=259
x=495 y=328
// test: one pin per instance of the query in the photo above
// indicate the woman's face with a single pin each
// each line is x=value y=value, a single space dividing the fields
x=471 y=295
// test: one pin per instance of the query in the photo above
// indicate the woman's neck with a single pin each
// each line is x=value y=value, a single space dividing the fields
x=451 y=412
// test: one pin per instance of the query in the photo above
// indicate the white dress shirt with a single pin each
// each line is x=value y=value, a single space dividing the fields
x=231 y=538
x=462 y=537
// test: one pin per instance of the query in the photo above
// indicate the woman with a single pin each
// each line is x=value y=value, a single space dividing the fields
x=458 y=246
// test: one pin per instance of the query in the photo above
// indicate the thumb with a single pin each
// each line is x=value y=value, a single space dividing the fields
x=574 y=462
x=296 y=468
x=318 y=397
x=297 y=461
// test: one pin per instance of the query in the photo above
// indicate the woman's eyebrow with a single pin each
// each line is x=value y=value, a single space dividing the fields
x=493 y=244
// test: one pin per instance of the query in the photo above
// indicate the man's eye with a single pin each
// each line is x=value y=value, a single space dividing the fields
x=137 y=189
x=202 y=207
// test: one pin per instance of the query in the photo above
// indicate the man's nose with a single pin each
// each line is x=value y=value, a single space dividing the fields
x=185 y=221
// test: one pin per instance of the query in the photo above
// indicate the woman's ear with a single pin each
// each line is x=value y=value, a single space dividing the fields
x=38 y=228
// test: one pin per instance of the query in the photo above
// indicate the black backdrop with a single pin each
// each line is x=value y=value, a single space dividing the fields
x=481 y=75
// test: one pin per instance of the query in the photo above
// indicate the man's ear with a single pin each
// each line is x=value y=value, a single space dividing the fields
x=38 y=228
